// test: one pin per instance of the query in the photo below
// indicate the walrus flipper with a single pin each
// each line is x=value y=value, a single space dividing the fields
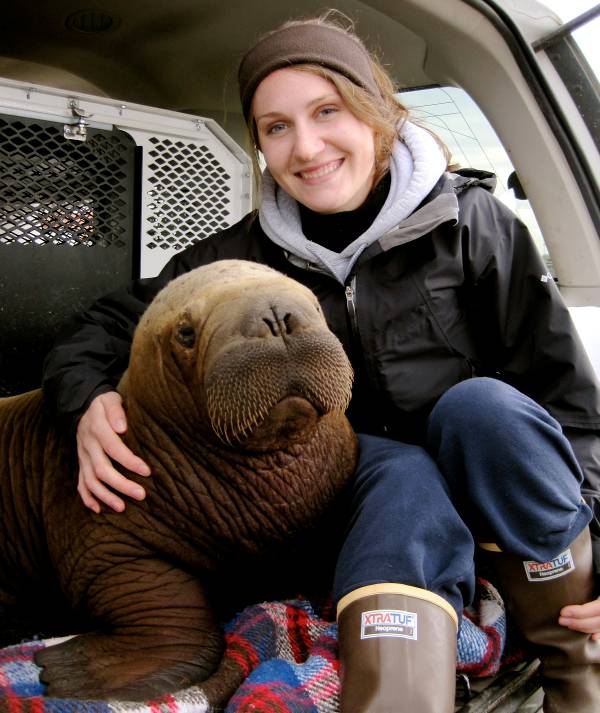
x=160 y=637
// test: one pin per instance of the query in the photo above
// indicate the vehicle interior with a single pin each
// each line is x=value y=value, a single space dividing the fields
x=120 y=65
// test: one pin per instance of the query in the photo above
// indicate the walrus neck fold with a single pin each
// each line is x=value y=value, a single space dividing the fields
x=217 y=499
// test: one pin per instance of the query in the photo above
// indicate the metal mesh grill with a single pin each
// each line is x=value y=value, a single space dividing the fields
x=187 y=200
x=60 y=192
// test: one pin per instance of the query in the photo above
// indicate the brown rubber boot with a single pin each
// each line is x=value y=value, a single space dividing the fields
x=534 y=594
x=397 y=648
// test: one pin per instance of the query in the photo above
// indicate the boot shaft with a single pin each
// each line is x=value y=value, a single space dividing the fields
x=397 y=651
x=534 y=594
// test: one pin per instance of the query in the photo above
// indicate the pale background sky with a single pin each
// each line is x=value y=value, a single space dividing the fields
x=587 y=36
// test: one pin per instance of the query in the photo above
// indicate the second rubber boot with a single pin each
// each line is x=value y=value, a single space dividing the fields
x=397 y=648
x=534 y=594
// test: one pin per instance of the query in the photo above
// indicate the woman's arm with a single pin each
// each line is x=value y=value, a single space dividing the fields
x=80 y=378
x=81 y=374
x=524 y=331
x=527 y=338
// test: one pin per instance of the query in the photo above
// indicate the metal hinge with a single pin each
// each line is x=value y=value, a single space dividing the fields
x=78 y=130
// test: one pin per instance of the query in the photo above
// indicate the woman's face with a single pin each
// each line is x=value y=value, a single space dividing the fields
x=315 y=148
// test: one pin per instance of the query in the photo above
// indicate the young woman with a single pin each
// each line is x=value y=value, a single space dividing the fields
x=477 y=407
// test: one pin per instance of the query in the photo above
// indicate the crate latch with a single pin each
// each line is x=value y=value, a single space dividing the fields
x=78 y=130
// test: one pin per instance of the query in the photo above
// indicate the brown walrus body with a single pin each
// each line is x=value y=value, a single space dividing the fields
x=235 y=396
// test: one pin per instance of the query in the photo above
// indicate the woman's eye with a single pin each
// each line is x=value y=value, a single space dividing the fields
x=276 y=128
x=328 y=110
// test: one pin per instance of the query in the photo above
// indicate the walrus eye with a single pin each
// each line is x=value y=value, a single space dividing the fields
x=185 y=335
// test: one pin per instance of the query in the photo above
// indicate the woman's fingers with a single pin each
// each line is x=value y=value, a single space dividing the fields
x=112 y=404
x=582 y=617
x=98 y=443
x=112 y=445
x=88 y=500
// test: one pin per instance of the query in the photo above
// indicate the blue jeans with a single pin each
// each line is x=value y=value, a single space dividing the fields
x=496 y=468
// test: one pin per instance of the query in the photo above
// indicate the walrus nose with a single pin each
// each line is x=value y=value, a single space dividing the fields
x=280 y=322
x=280 y=316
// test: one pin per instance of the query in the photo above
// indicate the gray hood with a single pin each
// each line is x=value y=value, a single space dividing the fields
x=416 y=166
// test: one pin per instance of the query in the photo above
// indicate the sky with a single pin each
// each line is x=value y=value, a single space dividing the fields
x=586 y=36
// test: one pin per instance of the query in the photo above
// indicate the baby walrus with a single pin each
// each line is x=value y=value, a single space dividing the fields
x=235 y=396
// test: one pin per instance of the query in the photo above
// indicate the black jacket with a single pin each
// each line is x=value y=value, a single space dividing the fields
x=470 y=298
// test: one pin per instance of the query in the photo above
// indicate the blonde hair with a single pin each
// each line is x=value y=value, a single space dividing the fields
x=384 y=113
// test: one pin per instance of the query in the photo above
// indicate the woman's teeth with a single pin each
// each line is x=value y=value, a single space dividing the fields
x=323 y=171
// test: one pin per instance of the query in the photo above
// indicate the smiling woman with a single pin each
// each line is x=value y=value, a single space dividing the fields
x=316 y=149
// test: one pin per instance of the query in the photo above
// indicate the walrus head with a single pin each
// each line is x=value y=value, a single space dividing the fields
x=240 y=349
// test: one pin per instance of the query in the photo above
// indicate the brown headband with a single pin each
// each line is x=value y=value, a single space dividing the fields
x=305 y=44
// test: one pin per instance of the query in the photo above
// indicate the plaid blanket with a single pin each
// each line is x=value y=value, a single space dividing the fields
x=281 y=657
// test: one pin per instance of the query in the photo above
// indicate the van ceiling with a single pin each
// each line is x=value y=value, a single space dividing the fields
x=176 y=54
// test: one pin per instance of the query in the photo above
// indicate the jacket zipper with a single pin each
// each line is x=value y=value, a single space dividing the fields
x=351 y=307
x=350 y=291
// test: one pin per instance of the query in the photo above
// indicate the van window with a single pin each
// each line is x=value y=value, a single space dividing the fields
x=453 y=115
x=573 y=50
x=575 y=54
x=585 y=33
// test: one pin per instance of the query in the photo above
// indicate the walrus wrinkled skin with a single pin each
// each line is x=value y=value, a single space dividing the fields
x=235 y=396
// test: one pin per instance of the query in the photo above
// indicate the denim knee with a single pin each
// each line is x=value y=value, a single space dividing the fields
x=510 y=466
x=483 y=405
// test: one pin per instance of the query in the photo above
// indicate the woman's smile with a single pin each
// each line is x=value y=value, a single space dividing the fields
x=320 y=171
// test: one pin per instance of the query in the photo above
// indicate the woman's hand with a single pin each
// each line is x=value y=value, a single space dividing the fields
x=582 y=617
x=97 y=439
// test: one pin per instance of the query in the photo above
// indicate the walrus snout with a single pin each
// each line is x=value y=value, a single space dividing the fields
x=279 y=325
x=248 y=379
x=282 y=349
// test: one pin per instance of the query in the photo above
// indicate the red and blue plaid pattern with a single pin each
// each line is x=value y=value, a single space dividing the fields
x=283 y=656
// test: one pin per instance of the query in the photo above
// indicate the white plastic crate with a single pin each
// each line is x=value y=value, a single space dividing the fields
x=194 y=179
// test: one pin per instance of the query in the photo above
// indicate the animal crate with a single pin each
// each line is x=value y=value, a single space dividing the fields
x=95 y=192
